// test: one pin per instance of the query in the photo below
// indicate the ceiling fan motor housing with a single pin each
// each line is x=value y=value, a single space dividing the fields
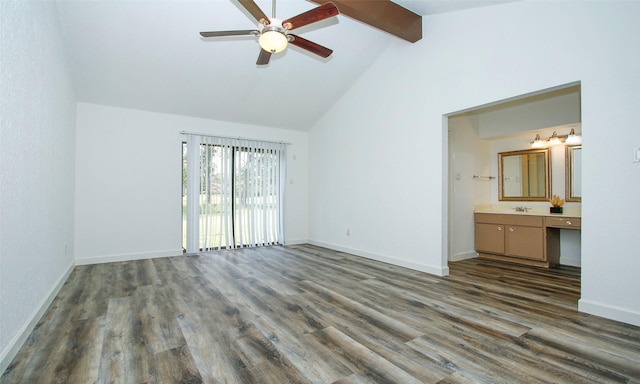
x=273 y=36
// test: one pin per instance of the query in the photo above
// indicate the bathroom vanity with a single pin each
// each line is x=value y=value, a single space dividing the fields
x=521 y=237
x=528 y=235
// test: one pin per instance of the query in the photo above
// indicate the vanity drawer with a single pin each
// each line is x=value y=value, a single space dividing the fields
x=562 y=222
x=524 y=220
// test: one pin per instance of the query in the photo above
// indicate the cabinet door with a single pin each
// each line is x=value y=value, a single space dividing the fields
x=490 y=238
x=525 y=242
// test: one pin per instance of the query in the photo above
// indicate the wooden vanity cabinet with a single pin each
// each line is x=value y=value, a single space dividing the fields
x=515 y=238
x=489 y=238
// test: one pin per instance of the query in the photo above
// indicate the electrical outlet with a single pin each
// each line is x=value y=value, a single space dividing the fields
x=348 y=232
x=636 y=155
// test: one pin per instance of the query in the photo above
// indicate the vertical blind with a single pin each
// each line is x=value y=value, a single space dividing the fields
x=234 y=193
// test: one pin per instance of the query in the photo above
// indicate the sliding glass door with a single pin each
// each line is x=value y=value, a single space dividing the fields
x=233 y=193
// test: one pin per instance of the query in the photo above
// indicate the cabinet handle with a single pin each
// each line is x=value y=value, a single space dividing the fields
x=499 y=228
x=511 y=229
x=568 y=222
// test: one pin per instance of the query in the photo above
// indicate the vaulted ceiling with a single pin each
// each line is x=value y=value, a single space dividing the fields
x=148 y=55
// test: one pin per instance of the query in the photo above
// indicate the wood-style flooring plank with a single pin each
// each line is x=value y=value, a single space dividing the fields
x=58 y=334
x=125 y=358
x=306 y=314
x=370 y=364
x=210 y=325
x=175 y=366
x=375 y=336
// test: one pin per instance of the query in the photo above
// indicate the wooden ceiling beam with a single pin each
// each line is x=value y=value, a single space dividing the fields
x=382 y=14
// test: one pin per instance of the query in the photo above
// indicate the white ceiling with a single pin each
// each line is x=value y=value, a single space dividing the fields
x=148 y=55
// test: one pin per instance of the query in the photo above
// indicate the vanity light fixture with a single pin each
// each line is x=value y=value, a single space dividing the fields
x=538 y=143
x=554 y=139
x=573 y=139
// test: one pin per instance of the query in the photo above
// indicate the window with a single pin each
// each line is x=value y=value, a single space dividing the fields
x=236 y=198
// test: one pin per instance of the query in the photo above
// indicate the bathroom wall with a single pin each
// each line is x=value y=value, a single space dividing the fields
x=468 y=156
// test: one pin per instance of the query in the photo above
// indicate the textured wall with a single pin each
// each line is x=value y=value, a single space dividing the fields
x=37 y=146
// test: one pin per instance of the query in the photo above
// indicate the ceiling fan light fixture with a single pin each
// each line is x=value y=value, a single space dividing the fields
x=273 y=34
x=273 y=41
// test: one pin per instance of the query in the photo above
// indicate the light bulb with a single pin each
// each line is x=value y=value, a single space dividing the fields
x=537 y=143
x=573 y=139
x=554 y=139
x=273 y=41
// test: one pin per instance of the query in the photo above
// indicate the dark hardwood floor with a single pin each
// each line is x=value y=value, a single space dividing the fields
x=303 y=314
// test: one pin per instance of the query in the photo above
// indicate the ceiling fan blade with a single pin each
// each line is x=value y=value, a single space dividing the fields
x=263 y=58
x=319 y=13
x=229 y=33
x=255 y=11
x=310 y=46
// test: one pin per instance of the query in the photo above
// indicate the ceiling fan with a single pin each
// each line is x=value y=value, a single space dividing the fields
x=273 y=34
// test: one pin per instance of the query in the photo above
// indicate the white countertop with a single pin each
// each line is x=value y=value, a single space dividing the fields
x=531 y=211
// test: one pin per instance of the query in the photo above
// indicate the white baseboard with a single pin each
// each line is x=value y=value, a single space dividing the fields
x=296 y=242
x=9 y=353
x=624 y=315
x=573 y=262
x=128 y=256
x=438 y=271
x=464 y=256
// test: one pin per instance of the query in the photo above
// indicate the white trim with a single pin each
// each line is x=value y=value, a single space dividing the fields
x=128 y=256
x=385 y=259
x=233 y=137
x=624 y=315
x=10 y=352
x=464 y=256
x=193 y=199
x=445 y=209
x=570 y=261
x=297 y=242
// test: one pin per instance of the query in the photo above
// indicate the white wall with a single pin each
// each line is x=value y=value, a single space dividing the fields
x=539 y=113
x=128 y=188
x=378 y=158
x=37 y=122
x=469 y=156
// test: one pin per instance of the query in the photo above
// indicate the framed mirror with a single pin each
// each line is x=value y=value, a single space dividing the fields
x=524 y=175
x=573 y=173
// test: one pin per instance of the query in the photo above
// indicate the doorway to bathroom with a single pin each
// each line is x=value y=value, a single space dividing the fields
x=477 y=135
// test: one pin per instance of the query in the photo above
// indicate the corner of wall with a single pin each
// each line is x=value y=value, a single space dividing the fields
x=10 y=351
x=609 y=311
